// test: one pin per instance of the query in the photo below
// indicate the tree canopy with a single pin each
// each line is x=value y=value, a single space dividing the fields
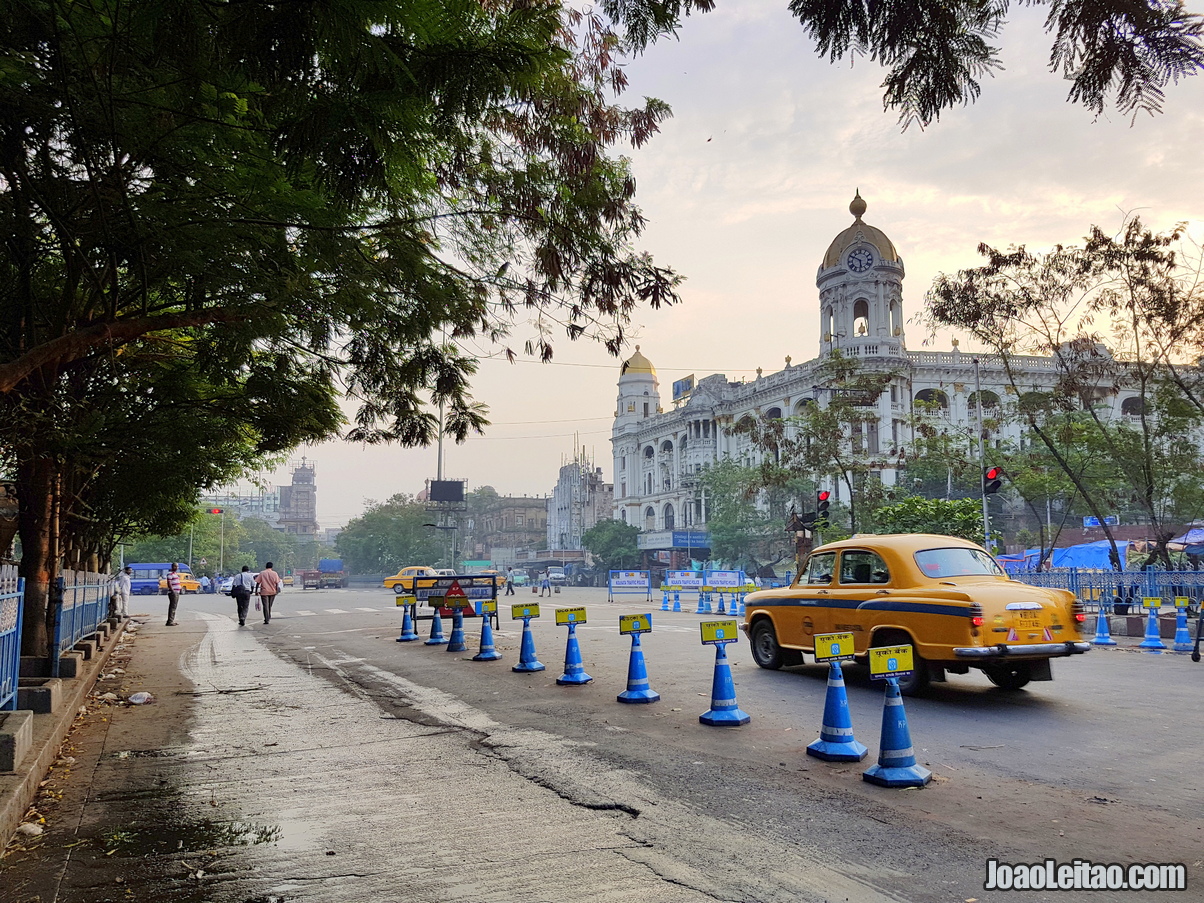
x=613 y=544
x=389 y=536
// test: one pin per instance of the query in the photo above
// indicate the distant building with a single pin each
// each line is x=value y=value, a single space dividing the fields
x=298 y=513
x=504 y=529
x=582 y=497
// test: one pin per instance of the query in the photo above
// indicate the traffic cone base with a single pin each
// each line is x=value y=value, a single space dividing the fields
x=574 y=672
x=1153 y=639
x=836 y=743
x=723 y=711
x=897 y=765
x=638 y=690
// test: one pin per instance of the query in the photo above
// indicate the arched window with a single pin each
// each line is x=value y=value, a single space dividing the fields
x=933 y=397
x=649 y=518
x=803 y=404
x=745 y=423
x=989 y=400
x=649 y=451
x=896 y=318
x=861 y=317
x=830 y=324
x=1134 y=406
x=667 y=446
x=773 y=414
x=668 y=517
x=623 y=515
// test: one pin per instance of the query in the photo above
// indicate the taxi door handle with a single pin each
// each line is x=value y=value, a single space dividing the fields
x=882 y=592
x=821 y=592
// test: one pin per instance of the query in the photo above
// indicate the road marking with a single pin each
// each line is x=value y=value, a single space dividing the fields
x=300 y=611
x=335 y=611
x=367 y=609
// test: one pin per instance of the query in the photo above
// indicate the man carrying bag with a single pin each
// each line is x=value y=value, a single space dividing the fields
x=241 y=589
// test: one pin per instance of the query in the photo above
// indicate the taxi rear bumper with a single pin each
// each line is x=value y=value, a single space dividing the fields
x=1020 y=650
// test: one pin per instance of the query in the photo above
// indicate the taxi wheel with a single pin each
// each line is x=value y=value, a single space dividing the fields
x=398 y=589
x=1009 y=677
x=764 y=642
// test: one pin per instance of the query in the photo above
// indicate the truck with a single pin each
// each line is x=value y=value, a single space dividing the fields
x=331 y=573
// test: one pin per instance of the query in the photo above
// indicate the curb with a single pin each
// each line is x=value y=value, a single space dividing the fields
x=19 y=788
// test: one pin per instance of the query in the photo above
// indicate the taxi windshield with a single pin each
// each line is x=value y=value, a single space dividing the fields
x=938 y=563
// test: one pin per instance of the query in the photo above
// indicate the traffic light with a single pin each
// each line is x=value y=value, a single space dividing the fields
x=992 y=480
x=214 y=510
x=823 y=501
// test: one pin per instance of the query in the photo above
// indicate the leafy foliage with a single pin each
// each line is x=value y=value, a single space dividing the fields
x=958 y=517
x=613 y=544
x=389 y=536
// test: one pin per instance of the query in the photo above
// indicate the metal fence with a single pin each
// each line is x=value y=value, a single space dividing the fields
x=84 y=605
x=1118 y=589
x=12 y=588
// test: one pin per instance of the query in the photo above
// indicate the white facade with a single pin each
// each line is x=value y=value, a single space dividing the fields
x=580 y=499
x=658 y=453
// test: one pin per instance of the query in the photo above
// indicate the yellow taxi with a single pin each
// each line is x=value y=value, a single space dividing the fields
x=403 y=581
x=188 y=583
x=945 y=597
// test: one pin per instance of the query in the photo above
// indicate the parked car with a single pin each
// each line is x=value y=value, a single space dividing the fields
x=403 y=581
x=445 y=572
x=945 y=597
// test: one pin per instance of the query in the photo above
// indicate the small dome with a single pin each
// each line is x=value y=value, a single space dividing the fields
x=860 y=231
x=637 y=363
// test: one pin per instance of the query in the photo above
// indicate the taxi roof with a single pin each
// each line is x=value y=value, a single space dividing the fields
x=899 y=542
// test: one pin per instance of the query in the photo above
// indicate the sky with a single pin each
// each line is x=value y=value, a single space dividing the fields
x=748 y=183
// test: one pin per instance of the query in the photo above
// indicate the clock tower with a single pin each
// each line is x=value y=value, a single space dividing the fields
x=861 y=291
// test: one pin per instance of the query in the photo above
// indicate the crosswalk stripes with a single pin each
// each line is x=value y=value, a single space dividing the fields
x=367 y=609
x=335 y=611
x=301 y=611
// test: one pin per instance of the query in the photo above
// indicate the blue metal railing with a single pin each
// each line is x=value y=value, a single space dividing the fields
x=84 y=605
x=1112 y=588
x=12 y=588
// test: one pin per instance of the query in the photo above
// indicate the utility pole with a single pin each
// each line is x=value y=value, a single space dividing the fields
x=982 y=460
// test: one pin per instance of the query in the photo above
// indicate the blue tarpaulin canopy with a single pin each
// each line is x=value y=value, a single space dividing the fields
x=1085 y=555
x=1193 y=541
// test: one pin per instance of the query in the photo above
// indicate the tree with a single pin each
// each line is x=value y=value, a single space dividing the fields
x=1049 y=304
x=290 y=201
x=389 y=536
x=954 y=517
x=613 y=544
x=745 y=516
x=936 y=54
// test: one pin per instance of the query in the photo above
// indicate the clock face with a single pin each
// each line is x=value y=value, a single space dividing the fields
x=860 y=260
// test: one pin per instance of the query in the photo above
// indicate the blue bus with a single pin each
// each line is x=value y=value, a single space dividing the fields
x=151 y=579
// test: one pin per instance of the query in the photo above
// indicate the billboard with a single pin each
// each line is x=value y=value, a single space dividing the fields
x=447 y=491
x=683 y=387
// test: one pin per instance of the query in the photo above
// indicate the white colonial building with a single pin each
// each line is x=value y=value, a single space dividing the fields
x=658 y=453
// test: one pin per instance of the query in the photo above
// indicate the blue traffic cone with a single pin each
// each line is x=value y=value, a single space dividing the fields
x=574 y=673
x=437 y=638
x=723 y=711
x=408 y=634
x=526 y=654
x=677 y=600
x=706 y=603
x=456 y=642
x=1103 y=631
x=1153 y=638
x=637 y=677
x=664 y=598
x=721 y=610
x=836 y=743
x=487 y=652
x=896 y=759
x=702 y=606
x=1183 y=641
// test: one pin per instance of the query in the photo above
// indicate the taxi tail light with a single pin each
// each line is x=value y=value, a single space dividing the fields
x=1080 y=613
x=976 y=617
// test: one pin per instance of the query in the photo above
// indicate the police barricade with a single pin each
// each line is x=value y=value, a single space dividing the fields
x=629 y=583
x=683 y=582
x=720 y=583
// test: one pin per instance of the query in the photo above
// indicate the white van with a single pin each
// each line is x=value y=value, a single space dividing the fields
x=556 y=576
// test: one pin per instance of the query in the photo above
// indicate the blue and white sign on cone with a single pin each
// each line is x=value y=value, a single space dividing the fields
x=723 y=711
x=1103 y=630
x=408 y=634
x=897 y=765
x=456 y=642
x=526 y=654
x=836 y=742
x=487 y=653
x=436 y=638
x=638 y=690
x=574 y=671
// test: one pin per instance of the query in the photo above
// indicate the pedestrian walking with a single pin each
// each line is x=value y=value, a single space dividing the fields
x=241 y=588
x=174 y=588
x=122 y=586
x=269 y=584
x=509 y=581
x=545 y=583
x=204 y=583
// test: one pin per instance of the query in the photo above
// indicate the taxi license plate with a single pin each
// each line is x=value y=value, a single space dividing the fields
x=1032 y=622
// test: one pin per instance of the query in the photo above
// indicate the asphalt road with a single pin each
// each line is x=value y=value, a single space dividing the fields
x=387 y=770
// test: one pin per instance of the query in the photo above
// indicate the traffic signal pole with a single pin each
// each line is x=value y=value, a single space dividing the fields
x=982 y=459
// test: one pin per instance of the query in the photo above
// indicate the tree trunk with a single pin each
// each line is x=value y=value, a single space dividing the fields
x=38 y=529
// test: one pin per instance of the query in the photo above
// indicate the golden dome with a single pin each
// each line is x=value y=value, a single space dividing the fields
x=860 y=231
x=637 y=363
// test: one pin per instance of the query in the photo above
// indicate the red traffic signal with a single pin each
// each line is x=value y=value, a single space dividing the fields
x=992 y=480
x=823 y=501
x=823 y=495
x=214 y=510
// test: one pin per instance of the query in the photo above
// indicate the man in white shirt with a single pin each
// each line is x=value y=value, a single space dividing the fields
x=122 y=587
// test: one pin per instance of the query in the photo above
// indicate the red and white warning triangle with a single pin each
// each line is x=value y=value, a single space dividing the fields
x=454 y=591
